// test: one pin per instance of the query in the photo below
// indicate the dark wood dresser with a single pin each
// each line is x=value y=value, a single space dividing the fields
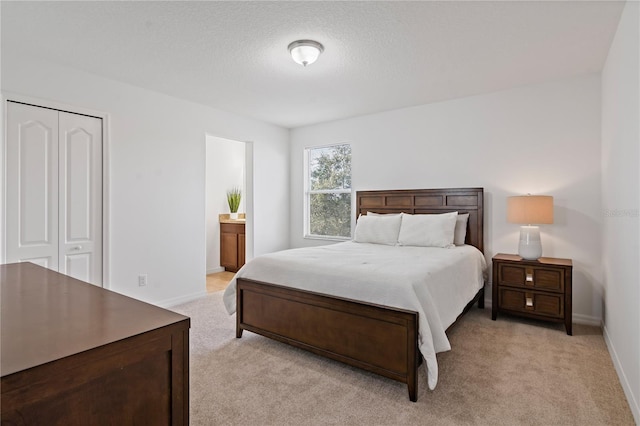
x=539 y=289
x=76 y=354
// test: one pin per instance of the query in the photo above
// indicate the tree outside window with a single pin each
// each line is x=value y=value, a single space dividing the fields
x=329 y=191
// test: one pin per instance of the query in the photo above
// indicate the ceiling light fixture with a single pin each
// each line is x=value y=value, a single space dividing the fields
x=305 y=52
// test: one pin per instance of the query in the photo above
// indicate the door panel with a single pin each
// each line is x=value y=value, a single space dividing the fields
x=78 y=144
x=42 y=261
x=81 y=197
x=229 y=251
x=80 y=266
x=32 y=184
x=34 y=153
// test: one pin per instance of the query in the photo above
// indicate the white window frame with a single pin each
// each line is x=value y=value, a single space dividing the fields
x=308 y=192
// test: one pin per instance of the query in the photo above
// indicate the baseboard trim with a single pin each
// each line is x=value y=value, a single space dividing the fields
x=181 y=299
x=215 y=270
x=587 y=320
x=634 y=404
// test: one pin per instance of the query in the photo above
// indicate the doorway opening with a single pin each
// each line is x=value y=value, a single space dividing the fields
x=229 y=166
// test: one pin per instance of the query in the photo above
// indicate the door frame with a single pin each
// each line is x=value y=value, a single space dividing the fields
x=5 y=97
x=248 y=197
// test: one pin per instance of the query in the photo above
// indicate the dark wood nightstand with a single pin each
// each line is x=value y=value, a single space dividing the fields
x=539 y=289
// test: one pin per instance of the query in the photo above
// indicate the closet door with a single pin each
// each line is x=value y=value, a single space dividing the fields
x=54 y=190
x=80 y=197
x=32 y=185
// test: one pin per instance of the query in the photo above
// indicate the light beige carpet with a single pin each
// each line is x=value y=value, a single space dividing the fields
x=505 y=372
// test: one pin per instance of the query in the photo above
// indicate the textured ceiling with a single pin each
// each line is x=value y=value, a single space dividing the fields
x=378 y=55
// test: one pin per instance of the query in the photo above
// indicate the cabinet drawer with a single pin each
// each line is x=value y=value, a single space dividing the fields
x=531 y=277
x=232 y=228
x=540 y=303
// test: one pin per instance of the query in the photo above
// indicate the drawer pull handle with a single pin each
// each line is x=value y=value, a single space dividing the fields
x=529 y=302
x=529 y=277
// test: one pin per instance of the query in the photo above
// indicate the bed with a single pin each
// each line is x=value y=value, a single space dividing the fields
x=384 y=338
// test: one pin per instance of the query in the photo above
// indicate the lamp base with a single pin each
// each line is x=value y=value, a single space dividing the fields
x=530 y=247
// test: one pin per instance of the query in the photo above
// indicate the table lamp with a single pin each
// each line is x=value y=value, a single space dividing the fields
x=530 y=210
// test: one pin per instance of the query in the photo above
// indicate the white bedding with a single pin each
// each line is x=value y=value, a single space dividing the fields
x=436 y=282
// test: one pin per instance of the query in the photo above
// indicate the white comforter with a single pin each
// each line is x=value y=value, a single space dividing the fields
x=437 y=283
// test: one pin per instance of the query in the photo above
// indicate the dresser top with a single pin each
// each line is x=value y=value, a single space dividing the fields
x=47 y=316
x=543 y=261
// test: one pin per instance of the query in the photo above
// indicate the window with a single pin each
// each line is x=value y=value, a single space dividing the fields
x=328 y=192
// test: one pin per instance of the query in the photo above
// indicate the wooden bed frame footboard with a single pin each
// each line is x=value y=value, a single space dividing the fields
x=375 y=338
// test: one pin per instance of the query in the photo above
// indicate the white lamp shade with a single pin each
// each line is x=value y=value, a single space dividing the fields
x=530 y=209
x=305 y=52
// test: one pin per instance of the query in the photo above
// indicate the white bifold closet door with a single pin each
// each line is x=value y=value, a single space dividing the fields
x=54 y=190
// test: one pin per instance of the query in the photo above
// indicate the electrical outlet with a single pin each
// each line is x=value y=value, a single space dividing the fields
x=142 y=280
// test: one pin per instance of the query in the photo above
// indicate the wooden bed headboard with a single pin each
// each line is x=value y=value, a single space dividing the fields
x=429 y=201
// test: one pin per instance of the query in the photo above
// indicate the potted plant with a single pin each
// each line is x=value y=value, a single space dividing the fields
x=234 y=195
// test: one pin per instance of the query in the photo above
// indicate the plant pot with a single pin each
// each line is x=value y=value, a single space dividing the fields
x=233 y=216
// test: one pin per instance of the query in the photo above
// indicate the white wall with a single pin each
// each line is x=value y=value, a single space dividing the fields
x=620 y=200
x=542 y=139
x=157 y=174
x=225 y=170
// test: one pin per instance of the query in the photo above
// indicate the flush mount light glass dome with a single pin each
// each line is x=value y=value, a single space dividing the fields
x=305 y=52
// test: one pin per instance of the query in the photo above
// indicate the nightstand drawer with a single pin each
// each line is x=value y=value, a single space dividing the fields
x=539 y=303
x=542 y=278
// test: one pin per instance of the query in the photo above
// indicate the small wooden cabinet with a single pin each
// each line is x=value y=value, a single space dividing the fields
x=539 y=289
x=232 y=246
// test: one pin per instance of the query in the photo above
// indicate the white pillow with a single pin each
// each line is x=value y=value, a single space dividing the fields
x=383 y=214
x=378 y=229
x=427 y=230
x=460 y=232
